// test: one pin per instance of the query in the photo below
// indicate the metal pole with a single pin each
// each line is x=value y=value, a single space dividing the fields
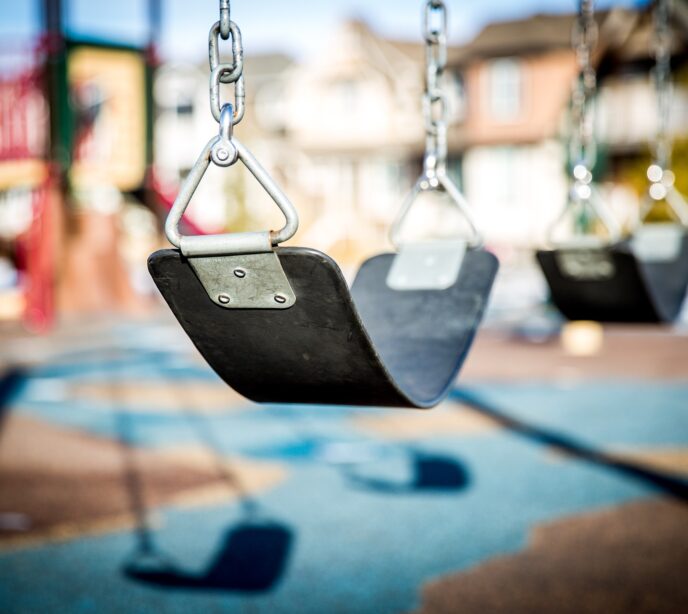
x=61 y=121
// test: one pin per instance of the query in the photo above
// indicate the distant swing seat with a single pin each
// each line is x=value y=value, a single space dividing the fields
x=622 y=282
x=642 y=279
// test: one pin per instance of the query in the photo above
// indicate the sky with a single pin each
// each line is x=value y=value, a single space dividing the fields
x=296 y=27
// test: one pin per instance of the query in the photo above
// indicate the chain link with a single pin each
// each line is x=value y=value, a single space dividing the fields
x=435 y=102
x=435 y=112
x=582 y=146
x=659 y=173
x=225 y=20
x=584 y=201
x=662 y=80
x=221 y=72
x=225 y=150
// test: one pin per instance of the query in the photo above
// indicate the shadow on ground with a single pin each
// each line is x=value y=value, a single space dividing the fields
x=11 y=383
x=252 y=555
x=669 y=485
x=430 y=472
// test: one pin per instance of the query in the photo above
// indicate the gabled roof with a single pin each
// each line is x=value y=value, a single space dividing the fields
x=539 y=33
x=637 y=46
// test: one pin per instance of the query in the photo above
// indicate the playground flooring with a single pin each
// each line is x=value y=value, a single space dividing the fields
x=132 y=479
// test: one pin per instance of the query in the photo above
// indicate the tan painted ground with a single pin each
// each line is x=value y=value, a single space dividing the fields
x=628 y=559
x=650 y=352
x=67 y=483
x=165 y=396
x=664 y=460
x=448 y=419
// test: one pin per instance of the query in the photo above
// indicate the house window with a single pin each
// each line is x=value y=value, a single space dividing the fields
x=347 y=95
x=505 y=81
x=184 y=107
x=457 y=98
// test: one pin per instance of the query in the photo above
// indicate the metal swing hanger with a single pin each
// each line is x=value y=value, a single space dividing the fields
x=207 y=253
x=582 y=146
x=224 y=150
x=659 y=171
x=434 y=175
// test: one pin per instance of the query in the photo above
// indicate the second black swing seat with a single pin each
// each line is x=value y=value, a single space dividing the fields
x=612 y=284
x=369 y=346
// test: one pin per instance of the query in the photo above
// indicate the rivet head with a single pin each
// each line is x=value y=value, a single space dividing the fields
x=222 y=154
x=223 y=298
x=240 y=273
x=280 y=298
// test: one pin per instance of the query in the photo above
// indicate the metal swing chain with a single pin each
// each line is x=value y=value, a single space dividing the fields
x=435 y=104
x=582 y=146
x=435 y=113
x=226 y=73
x=662 y=80
x=659 y=173
x=225 y=19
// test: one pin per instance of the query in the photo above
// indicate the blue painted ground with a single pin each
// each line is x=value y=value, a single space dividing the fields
x=338 y=535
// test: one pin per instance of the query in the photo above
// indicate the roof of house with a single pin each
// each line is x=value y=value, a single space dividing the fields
x=539 y=33
x=637 y=45
x=536 y=33
x=626 y=34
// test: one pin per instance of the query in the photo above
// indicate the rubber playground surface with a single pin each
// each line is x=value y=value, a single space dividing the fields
x=132 y=479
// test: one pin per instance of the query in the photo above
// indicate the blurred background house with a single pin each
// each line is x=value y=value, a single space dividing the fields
x=95 y=139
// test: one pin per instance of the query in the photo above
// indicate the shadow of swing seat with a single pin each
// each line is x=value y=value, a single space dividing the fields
x=431 y=472
x=613 y=284
x=252 y=557
x=568 y=445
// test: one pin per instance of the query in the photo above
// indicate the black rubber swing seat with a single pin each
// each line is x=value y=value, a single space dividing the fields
x=368 y=346
x=626 y=289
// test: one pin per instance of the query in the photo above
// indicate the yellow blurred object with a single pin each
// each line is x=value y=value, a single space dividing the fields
x=582 y=338
x=22 y=173
x=109 y=87
x=11 y=305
